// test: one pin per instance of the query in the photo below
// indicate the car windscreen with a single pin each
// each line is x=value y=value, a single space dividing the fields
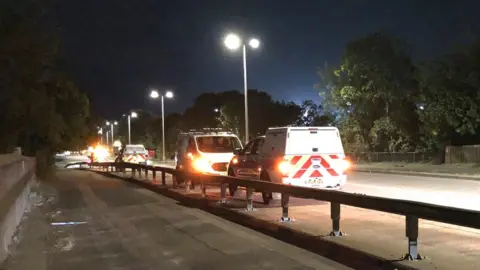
x=218 y=144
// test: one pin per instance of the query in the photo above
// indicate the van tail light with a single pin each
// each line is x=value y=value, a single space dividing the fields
x=284 y=167
x=344 y=164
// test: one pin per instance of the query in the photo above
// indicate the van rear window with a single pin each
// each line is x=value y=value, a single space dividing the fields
x=136 y=149
x=311 y=141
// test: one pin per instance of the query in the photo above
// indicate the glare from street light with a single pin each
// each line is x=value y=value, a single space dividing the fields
x=134 y=114
x=115 y=123
x=232 y=42
x=154 y=94
x=254 y=43
x=215 y=110
x=108 y=123
x=169 y=94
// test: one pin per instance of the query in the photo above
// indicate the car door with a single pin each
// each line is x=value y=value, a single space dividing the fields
x=249 y=159
x=242 y=160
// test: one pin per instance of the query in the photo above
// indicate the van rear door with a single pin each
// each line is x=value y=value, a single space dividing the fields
x=315 y=154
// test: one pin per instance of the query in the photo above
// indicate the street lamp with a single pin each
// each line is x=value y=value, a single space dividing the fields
x=233 y=42
x=168 y=94
x=130 y=115
x=111 y=124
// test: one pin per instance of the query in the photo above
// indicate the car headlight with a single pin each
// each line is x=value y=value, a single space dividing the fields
x=201 y=164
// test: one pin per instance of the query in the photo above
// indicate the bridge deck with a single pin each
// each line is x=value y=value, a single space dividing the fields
x=111 y=224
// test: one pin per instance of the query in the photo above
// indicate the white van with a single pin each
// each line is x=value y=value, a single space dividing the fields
x=301 y=156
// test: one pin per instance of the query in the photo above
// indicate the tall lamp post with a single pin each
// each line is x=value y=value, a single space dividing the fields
x=168 y=94
x=233 y=42
x=111 y=129
x=130 y=115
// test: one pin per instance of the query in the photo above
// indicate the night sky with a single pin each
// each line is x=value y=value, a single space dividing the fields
x=117 y=49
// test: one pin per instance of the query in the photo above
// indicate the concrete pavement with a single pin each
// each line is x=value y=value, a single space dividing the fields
x=379 y=234
x=86 y=221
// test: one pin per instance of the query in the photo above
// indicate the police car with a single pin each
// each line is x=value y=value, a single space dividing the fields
x=300 y=156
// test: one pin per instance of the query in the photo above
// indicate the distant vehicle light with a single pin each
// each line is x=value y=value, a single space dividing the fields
x=100 y=153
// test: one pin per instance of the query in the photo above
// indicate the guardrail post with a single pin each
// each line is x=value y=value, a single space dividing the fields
x=154 y=176
x=164 y=183
x=133 y=171
x=146 y=172
x=223 y=193
x=285 y=199
x=335 y=216
x=249 y=199
x=174 y=179
x=412 y=235
x=187 y=185
x=203 y=188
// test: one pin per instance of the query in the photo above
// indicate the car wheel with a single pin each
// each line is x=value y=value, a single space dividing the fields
x=266 y=196
x=232 y=188
x=179 y=178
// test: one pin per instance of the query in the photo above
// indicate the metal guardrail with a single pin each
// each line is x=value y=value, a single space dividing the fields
x=410 y=209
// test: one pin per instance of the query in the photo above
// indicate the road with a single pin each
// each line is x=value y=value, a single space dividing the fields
x=442 y=191
x=88 y=221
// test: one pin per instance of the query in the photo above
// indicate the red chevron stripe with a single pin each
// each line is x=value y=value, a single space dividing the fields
x=316 y=173
x=295 y=160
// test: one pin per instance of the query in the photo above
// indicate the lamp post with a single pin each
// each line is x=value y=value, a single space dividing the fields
x=130 y=115
x=233 y=42
x=168 y=94
x=111 y=129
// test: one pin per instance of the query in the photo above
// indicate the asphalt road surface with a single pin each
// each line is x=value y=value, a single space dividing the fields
x=440 y=191
x=88 y=221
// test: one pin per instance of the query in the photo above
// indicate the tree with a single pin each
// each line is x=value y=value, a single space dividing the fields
x=450 y=100
x=375 y=87
x=314 y=115
x=41 y=109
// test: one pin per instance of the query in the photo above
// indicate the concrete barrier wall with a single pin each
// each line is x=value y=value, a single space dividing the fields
x=16 y=179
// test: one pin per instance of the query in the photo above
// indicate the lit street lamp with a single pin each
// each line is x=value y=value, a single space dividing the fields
x=233 y=42
x=168 y=94
x=130 y=115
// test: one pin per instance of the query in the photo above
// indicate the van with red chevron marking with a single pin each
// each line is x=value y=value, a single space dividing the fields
x=301 y=156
